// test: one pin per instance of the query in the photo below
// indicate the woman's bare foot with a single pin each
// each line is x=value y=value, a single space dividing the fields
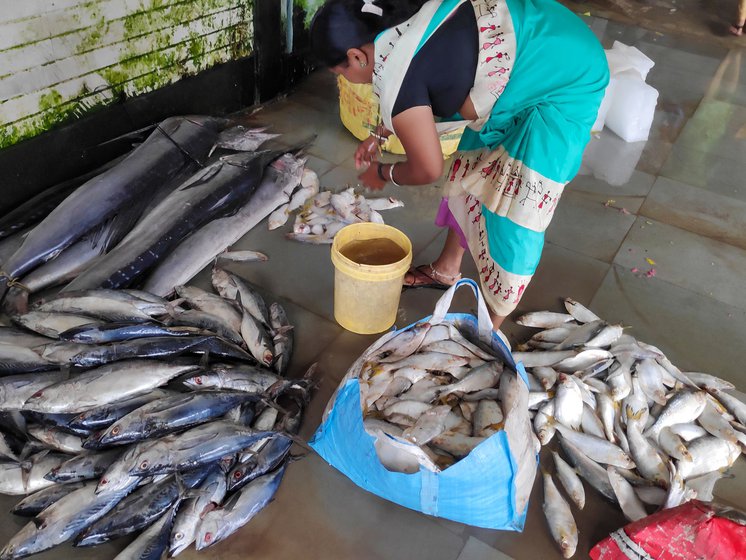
x=736 y=30
x=426 y=276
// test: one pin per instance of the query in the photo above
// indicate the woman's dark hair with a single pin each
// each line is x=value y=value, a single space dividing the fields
x=340 y=25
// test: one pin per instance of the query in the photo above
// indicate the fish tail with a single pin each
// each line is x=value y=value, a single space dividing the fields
x=4 y=285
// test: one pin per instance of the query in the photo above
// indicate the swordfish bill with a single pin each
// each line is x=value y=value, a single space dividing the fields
x=218 y=190
x=177 y=143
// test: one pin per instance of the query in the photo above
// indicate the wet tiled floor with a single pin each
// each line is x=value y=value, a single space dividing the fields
x=684 y=198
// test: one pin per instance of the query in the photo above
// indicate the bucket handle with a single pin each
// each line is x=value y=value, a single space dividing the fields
x=483 y=317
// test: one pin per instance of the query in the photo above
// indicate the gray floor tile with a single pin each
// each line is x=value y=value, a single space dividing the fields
x=638 y=185
x=697 y=263
x=696 y=210
x=474 y=549
x=717 y=127
x=579 y=213
x=707 y=170
x=668 y=121
x=727 y=84
x=668 y=80
x=695 y=331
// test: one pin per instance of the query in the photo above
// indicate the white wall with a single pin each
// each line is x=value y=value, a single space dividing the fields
x=60 y=58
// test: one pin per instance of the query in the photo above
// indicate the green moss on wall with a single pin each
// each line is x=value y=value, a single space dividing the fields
x=169 y=58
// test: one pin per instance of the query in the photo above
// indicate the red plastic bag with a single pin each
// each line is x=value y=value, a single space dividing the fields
x=694 y=530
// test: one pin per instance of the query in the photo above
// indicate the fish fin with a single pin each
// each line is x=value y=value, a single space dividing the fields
x=204 y=361
x=202 y=176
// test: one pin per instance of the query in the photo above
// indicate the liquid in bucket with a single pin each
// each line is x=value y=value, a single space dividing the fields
x=370 y=261
x=376 y=252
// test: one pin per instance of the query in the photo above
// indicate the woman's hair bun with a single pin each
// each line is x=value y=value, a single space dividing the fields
x=340 y=25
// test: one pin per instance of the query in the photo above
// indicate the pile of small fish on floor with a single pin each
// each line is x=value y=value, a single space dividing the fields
x=123 y=412
x=322 y=214
x=152 y=219
x=634 y=426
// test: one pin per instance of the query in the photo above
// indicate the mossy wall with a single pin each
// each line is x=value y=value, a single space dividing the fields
x=60 y=60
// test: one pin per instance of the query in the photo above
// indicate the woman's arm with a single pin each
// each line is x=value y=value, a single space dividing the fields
x=416 y=130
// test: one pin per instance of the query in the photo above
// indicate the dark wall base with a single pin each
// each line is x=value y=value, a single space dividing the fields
x=35 y=164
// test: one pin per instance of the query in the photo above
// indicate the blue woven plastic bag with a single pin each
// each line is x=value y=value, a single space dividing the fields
x=488 y=488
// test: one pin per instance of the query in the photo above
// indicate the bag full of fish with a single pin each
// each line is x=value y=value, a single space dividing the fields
x=637 y=429
x=434 y=417
x=124 y=413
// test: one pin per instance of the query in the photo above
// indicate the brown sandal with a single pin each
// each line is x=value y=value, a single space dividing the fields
x=425 y=276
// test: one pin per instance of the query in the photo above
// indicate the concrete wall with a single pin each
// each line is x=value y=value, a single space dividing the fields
x=63 y=58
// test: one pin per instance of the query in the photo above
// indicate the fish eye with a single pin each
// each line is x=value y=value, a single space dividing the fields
x=208 y=537
x=178 y=536
x=144 y=465
x=198 y=380
x=115 y=430
x=103 y=481
x=237 y=474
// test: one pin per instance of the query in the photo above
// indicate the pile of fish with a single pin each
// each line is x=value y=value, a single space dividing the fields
x=170 y=197
x=635 y=427
x=434 y=386
x=322 y=214
x=122 y=412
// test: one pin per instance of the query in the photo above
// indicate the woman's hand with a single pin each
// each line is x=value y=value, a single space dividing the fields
x=366 y=153
x=370 y=177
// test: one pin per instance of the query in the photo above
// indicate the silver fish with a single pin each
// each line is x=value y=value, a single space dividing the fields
x=579 y=312
x=648 y=460
x=232 y=287
x=651 y=495
x=688 y=432
x=736 y=406
x=708 y=454
x=207 y=321
x=559 y=517
x=61 y=521
x=153 y=541
x=16 y=389
x=591 y=471
x=39 y=501
x=715 y=422
x=556 y=334
x=583 y=360
x=549 y=358
x=84 y=467
x=672 y=445
x=57 y=439
x=482 y=377
x=608 y=336
x=403 y=344
x=211 y=303
x=104 y=385
x=581 y=335
x=257 y=339
x=243 y=256
x=568 y=407
x=683 y=407
x=597 y=449
x=570 y=480
x=431 y=424
x=631 y=505
x=607 y=409
x=239 y=510
x=19 y=359
x=704 y=485
x=544 y=423
x=547 y=376
x=544 y=319
x=488 y=418
x=190 y=513
x=283 y=339
x=591 y=424
x=709 y=382
x=27 y=477
x=245 y=378
x=99 y=306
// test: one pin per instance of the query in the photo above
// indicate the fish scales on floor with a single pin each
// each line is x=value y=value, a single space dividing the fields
x=154 y=217
x=630 y=423
x=116 y=418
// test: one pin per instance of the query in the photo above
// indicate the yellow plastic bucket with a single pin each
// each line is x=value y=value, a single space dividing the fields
x=366 y=297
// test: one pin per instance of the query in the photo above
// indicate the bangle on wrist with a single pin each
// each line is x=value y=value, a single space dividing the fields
x=379 y=170
x=391 y=175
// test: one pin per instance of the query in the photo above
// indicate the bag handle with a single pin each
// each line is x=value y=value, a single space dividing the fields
x=483 y=316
